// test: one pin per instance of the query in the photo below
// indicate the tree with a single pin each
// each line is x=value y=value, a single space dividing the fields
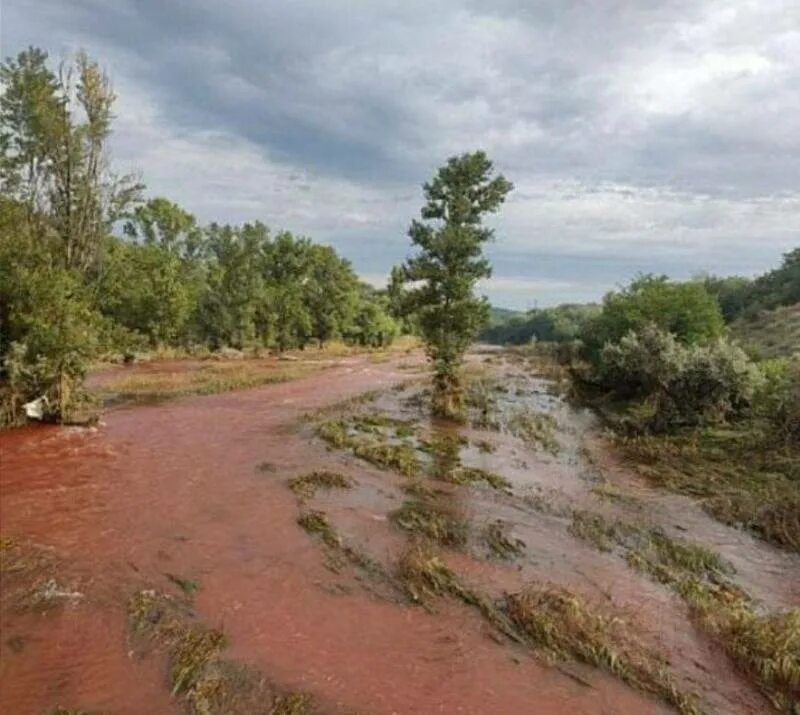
x=687 y=310
x=443 y=274
x=60 y=203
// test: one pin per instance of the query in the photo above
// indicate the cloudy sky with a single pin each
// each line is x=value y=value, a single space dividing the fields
x=641 y=135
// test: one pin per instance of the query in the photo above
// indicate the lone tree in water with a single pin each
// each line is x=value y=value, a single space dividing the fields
x=443 y=274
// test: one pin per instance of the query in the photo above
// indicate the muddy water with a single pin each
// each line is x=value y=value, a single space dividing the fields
x=175 y=489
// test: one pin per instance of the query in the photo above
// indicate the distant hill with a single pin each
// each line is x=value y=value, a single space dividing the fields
x=770 y=333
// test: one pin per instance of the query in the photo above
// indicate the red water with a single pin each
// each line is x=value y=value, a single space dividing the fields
x=174 y=488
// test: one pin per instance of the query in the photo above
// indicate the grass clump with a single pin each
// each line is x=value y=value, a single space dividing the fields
x=500 y=544
x=650 y=550
x=367 y=441
x=473 y=475
x=738 y=476
x=334 y=432
x=597 y=530
x=187 y=585
x=317 y=524
x=424 y=574
x=432 y=522
x=535 y=428
x=399 y=457
x=208 y=379
x=307 y=485
x=765 y=646
x=563 y=626
x=210 y=683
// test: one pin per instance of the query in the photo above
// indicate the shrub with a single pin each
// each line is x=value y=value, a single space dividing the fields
x=779 y=398
x=686 y=310
x=683 y=385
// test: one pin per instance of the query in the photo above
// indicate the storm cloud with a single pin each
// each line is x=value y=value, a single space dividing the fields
x=641 y=136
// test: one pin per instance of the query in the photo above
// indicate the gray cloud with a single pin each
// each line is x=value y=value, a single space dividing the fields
x=641 y=136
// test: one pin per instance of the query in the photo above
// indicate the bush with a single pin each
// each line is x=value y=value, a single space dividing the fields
x=779 y=398
x=683 y=385
x=686 y=310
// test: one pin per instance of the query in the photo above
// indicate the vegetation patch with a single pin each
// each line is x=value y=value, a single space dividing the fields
x=562 y=626
x=317 y=524
x=766 y=647
x=423 y=575
x=187 y=585
x=738 y=476
x=535 y=428
x=366 y=438
x=473 y=475
x=210 y=379
x=339 y=553
x=29 y=574
x=210 y=683
x=432 y=522
x=307 y=485
x=501 y=544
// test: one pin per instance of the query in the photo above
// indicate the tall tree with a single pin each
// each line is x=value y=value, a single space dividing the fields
x=450 y=238
x=61 y=201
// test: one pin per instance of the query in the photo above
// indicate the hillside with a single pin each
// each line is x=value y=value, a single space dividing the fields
x=771 y=333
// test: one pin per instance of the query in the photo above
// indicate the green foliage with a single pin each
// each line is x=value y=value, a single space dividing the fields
x=70 y=288
x=683 y=384
x=560 y=324
x=60 y=201
x=779 y=398
x=780 y=286
x=443 y=274
x=686 y=310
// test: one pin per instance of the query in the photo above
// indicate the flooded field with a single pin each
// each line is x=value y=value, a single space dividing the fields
x=326 y=547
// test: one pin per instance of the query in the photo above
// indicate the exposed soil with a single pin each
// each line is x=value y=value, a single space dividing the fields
x=192 y=497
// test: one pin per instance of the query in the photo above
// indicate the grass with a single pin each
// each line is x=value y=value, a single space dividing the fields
x=765 y=646
x=29 y=572
x=564 y=626
x=773 y=333
x=364 y=437
x=317 y=524
x=209 y=683
x=306 y=486
x=473 y=475
x=187 y=585
x=432 y=522
x=208 y=379
x=739 y=477
x=535 y=428
x=500 y=543
x=339 y=553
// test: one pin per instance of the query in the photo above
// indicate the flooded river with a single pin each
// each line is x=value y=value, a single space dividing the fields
x=195 y=489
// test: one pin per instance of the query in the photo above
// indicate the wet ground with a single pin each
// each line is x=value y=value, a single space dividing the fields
x=196 y=489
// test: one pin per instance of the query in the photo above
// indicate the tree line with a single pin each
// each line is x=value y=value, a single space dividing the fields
x=88 y=266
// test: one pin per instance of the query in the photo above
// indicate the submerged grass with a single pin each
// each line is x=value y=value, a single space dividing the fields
x=366 y=440
x=535 y=428
x=739 y=478
x=317 y=524
x=209 y=683
x=208 y=379
x=500 y=543
x=431 y=521
x=187 y=585
x=765 y=646
x=306 y=486
x=563 y=625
